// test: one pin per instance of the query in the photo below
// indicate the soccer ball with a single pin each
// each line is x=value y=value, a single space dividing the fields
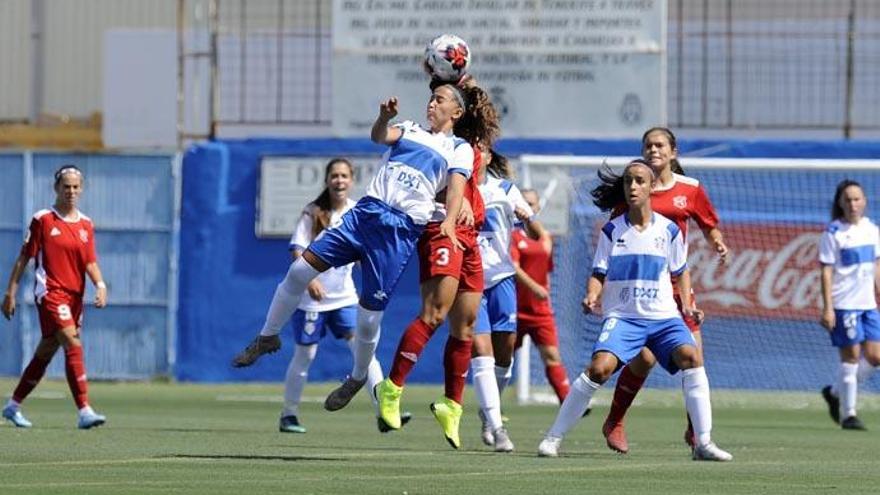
x=447 y=58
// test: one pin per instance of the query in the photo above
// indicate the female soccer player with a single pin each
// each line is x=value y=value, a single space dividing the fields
x=383 y=227
x=849 y=251
x=62 y=241
x=332 y=303
x=533 y=261
x=680 y=199
x=451 y=284
x=636 y=253
x=496 y=324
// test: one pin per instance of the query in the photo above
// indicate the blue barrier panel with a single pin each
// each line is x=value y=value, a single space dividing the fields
x=11 y=235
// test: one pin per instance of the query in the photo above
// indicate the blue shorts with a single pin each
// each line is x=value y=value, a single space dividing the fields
x=311 y=326
x=625 y=338
x=498 y=308
x=381 y=238
x=854 y=326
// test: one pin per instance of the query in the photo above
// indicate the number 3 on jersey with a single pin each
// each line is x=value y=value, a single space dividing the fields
x=442 y=256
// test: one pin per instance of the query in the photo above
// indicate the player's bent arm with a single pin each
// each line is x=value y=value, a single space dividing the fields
x=381 y=133
x=454 y=198
x=716 y=239
x=12 y=287
x=94 y=273
x=591 y=303
x=827 y=319
x=524 y=278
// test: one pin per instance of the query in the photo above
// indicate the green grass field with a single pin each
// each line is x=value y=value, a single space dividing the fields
x=171 y=438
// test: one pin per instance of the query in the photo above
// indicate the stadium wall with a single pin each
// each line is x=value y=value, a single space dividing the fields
x=228 y=275
x=133 y=201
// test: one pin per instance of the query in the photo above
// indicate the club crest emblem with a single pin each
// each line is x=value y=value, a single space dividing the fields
x=83 y=235
x=680 y=202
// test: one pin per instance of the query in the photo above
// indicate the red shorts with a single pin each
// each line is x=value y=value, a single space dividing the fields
x=692 y=325
x=59 y=309
x=437 y=256
x=541 y=329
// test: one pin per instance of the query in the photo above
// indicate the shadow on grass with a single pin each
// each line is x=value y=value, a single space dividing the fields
x=286 y=458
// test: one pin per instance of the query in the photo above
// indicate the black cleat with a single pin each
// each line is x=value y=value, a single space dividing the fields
x=290 y=424
x=259 y=346
x=833 y=404
x=852 y=423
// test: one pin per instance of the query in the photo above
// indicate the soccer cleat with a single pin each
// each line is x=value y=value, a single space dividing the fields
x=711 y=452
x=405 y=416
x=290 y=424
x=447 y=412
x=486 y=433
x=387 y=395
x=259 y=346
x=90 y=419
x=615 y=437
x=833 y=404
x=852 y=423
x=15 y=417
x=502 y=440
x=342 y=395
x=549 y=447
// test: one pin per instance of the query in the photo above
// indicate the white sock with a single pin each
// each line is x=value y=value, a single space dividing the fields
x=502 y=376
x=287 y=296
x=297 y=376
x=374 y=372
x=695 y=385
x=866 y=369
x=486 y=389
x=847 y=384
x=13 y=404
x=574 y=405
x=366 y=338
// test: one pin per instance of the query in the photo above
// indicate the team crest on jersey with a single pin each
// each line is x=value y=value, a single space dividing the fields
x=83 y=235
x=659 y=242
x=680 y=202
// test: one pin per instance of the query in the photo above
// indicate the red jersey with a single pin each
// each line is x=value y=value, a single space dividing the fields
x=685 y=199
x=61 y=250
x=472 y=193
x=538 y=264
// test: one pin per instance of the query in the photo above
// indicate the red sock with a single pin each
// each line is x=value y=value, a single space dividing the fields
x=75 y=370
x=558 y=379
x=30 y=378
x=628 y=385
x=456 y=360
x=411 y=345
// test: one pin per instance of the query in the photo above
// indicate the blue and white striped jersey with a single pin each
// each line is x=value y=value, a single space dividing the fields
x=501 y=198
x=416 y=168
x=852 y=250
x=637 y=265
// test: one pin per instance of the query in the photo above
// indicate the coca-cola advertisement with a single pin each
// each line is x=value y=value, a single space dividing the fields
x=773 y=271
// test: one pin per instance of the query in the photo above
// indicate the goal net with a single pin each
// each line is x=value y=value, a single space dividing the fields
x=762 y=308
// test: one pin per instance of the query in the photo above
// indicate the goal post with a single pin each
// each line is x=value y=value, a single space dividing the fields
x=762 y=307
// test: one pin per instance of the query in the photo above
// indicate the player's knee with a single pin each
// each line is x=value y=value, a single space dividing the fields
x=687 y=357
x=600 y=372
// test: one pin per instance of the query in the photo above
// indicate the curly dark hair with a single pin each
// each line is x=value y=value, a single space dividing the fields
x=480 y=123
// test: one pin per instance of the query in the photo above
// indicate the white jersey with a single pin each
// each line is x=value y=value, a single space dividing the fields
x=636 y=266
x=852 y=250
x=417 y=167
x=501 y=198
x=337 y=282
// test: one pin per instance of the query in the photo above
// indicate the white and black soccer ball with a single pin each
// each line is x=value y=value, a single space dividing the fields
x=447 y=58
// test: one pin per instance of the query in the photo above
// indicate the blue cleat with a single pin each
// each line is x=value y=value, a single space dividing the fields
x=90 y=419
x=15 y=417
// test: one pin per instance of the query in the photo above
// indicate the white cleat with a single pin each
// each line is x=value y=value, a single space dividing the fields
x=549 y=447
x=502 y=440
x=15 y=417
x=486 y=431
x=711 y=452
